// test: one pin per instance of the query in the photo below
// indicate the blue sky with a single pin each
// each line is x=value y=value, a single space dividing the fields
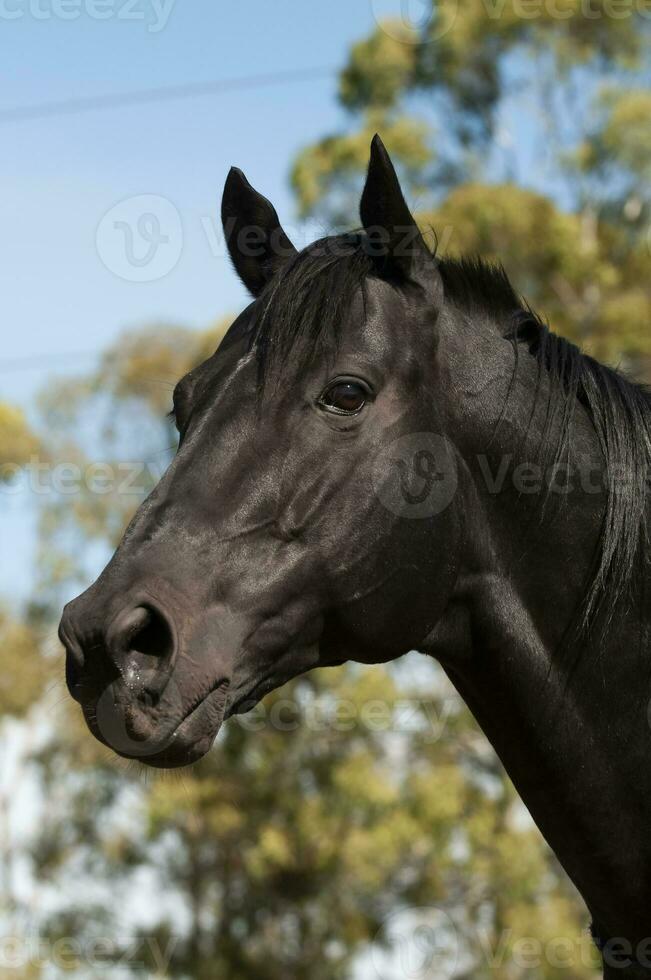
x=62 y=174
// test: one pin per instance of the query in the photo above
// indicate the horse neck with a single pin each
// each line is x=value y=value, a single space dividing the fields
x=569 y=721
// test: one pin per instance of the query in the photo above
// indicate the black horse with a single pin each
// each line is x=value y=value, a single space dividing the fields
x=390 y=451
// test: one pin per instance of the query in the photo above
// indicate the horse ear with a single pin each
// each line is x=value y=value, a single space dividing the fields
x=393 y=234
x=256 y=242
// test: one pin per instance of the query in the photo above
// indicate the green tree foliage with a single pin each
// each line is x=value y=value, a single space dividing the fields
x=333 y=166
x=17 y=442
x=615 y=157
x=24 y=670
x=21 y=678
x=436 y=92
x=25 y=673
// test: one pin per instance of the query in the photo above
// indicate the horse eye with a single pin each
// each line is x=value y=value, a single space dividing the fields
x=344 y=397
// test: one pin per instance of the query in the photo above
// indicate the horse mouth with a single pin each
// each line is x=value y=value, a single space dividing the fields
x=165 y=743
x=249 y=700
x=207 y=714
x=189 y=740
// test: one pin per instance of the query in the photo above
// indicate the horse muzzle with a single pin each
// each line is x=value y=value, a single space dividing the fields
x=152 y=684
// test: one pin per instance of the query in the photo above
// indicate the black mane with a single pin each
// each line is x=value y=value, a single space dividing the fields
x=301 y=312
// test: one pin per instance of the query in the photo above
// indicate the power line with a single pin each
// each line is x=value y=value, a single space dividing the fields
x=94 y=103
x=45 y=110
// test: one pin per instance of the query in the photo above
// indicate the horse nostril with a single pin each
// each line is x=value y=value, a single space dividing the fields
x=152 y=635
x=141 y=641
x=142 y=630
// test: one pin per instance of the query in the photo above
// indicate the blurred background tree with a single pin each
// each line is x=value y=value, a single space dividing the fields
x=25 y=676
x=293 y=846
x=439 y=94
x=21 y=680
x=17 y=442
